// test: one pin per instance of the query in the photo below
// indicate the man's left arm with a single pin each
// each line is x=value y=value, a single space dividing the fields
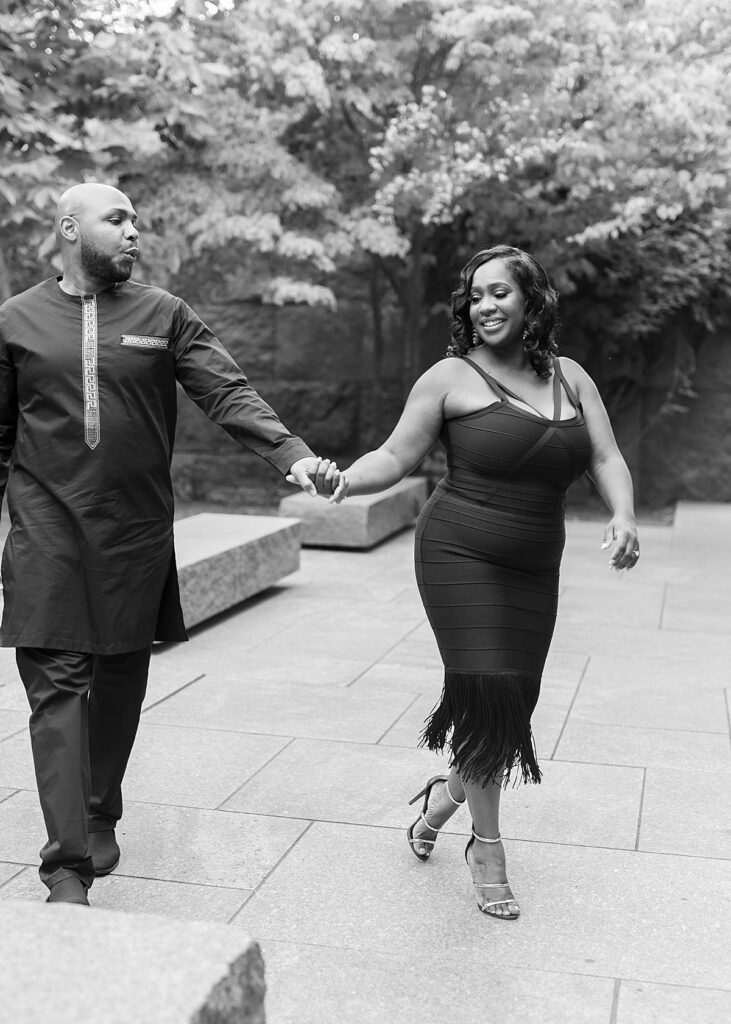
x=212 y=379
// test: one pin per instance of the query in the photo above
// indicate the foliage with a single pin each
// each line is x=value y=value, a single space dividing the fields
x=269 y=146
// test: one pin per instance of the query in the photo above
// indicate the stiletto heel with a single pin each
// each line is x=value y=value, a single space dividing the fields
x=426 y=793
x=485 y=907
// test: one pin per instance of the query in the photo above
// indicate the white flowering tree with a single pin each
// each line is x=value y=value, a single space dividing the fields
x=400 y=135
x=271 y=145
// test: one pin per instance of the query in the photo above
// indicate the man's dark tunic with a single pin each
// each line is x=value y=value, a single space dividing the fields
x=87 y=424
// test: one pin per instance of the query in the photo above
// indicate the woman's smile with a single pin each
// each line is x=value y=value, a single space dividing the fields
x=496 y=303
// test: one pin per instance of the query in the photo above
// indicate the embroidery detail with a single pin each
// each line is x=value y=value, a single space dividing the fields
x=145 y=341
x=92 y=422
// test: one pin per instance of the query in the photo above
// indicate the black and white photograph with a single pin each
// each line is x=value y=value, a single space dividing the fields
x=365 y=511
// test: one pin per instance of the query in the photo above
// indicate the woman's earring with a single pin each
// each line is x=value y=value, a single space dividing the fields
x=526 y=334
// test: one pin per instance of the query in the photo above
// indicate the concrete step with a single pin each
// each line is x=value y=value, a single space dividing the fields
x=73 y=965
x=225 y=559
x=361 y=521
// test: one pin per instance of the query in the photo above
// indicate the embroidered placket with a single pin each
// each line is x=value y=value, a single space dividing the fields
x=92 y=422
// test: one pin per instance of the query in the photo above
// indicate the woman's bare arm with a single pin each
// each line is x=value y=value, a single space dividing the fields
x=608 y=469
x=414 y=436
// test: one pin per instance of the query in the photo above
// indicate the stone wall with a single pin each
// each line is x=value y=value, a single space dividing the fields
x=317 y=369
x=687 y=455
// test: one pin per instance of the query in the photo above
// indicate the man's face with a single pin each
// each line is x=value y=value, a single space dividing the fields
x=108 y=239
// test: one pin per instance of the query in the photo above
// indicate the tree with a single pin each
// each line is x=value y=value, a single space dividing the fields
x=272 y=146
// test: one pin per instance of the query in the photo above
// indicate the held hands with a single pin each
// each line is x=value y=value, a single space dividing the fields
x=622 y=534
x=319 y=476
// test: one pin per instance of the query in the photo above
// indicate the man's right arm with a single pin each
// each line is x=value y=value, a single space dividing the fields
x=8 y=409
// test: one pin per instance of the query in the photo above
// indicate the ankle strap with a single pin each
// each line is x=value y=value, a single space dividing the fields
x=449 y=794
x=483 y=840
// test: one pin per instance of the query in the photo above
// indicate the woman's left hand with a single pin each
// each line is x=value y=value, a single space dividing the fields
x=621 y=533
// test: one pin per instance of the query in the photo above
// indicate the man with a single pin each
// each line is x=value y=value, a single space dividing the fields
x=88 y=371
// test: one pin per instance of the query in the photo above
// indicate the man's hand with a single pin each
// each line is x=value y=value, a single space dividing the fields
x=315 y=475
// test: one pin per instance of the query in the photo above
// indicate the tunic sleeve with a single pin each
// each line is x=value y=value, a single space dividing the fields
x=8 y=409
x=213 y=380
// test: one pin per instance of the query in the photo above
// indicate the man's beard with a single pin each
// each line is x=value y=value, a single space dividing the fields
x=99 y=266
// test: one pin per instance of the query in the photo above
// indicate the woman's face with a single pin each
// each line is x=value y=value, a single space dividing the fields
x=497 y=305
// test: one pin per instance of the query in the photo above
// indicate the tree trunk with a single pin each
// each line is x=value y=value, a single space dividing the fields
x=6 y=285
x=413 y=310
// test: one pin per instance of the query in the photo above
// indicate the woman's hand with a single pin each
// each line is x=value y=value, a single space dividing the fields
x=621 y=533
x=319 y=476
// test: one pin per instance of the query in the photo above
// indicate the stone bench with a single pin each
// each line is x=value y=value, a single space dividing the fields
x=72 y=965
x=225 y=559
x=359 y=522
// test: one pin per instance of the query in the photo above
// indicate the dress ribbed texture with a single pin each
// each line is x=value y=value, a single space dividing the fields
x=488 y=550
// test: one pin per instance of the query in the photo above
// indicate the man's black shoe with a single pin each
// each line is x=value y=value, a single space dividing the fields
x=69 y=890
x=104 y=851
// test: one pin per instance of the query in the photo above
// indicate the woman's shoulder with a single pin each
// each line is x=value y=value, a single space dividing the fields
x=574 y=372
x=445 y=371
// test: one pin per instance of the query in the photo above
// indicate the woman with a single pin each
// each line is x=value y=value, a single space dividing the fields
x=519 y=425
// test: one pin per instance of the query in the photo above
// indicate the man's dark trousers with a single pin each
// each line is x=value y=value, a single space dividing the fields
x=85 y=709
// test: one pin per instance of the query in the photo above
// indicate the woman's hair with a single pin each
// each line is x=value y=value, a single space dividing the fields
x=541 y=306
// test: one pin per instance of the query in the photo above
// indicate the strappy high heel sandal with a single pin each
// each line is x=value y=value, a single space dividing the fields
x=485 y=907
x=426 y=793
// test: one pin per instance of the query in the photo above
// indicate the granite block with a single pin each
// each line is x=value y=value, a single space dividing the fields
x=202 y=847
x=178 y=844
x=625 y=600
x=625 y=640
x=643 y=1003
x=146 y=968
x=586 y=911
x=7 y=872
x=592 y=805
x=650 y=693
x=705 y=608
x=180 y=900
x=193 y=767
x=225 y=559
x=22 y=830
x=696 y=520
x=16 y=761
x=361 y=521
x=324 y=780
x=12 y=696
x=12 y=722
x=687 y=812
x=405 y=728
x=291 y=709
x=323 y=985
x=599 y=743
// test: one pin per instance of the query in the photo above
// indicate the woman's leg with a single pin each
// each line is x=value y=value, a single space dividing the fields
x=439 y=810
x=486 y=861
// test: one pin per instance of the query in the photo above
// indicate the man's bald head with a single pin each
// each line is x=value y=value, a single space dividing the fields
x=87 y=197
x=96 y=229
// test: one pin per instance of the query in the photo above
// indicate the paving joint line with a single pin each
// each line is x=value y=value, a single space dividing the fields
x=613 y=1015
x=173 y=694
x=12 y=735
x=385 y=654
x=641 y=809
x=220 y=807
x=271 y=871
x=396 y=722
x=21 y=869
x=570 y=707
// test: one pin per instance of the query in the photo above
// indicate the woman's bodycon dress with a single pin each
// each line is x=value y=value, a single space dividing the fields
x=488 y=550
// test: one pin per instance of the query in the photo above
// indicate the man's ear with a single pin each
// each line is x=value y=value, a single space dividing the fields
x=68 y=228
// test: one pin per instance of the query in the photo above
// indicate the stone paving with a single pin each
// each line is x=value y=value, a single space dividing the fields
x=276 y=756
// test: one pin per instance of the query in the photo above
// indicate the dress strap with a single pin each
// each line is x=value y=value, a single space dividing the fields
x=556 y=395
x=502 y=391
x=558 y=376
